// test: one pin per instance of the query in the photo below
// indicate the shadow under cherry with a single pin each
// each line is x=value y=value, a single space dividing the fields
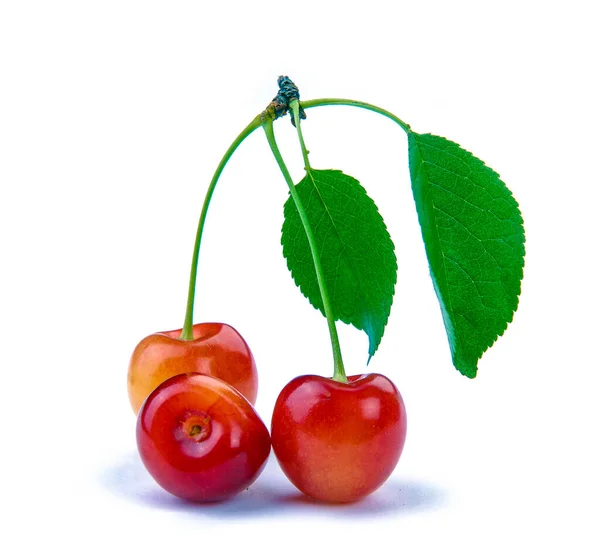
x=270 y=495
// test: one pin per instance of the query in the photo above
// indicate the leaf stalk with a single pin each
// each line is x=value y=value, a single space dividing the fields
x=352 y=103
x=295 y=106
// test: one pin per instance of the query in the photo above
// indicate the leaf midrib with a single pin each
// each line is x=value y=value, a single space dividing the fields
x=344 y=247
x=445 y=291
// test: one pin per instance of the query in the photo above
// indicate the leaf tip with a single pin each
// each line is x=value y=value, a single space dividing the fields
x=466 y=368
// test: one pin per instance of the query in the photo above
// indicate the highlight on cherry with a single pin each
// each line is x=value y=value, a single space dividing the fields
x=337 y=438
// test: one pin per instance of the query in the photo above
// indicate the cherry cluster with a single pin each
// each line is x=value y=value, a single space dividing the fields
x=337 y=439
x=201 y=439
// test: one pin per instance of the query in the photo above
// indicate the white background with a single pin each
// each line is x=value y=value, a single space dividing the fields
x=113 y=116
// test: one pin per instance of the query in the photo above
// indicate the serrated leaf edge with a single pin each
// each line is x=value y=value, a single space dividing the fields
x=319 y=307
x=468 y=370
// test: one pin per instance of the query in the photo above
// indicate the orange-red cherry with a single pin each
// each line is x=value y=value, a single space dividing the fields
x=338 y=442
x=217 y=349
x=200 y=439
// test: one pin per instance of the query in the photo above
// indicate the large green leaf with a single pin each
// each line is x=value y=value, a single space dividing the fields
x=475 y=244
x=356 y=251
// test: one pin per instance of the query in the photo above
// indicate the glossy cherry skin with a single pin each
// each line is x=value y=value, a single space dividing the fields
x=338 y=442
x=200 y=439
x=217 y=349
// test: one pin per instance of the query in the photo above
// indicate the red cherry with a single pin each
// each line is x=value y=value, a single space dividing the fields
x=339 y=442
x=217 y=349
x=200 y=438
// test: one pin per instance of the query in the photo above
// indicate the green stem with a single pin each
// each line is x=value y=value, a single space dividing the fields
x=295 y=106
x=187 y=332
x=351 y=103
x=260 y=120
x=339 y=373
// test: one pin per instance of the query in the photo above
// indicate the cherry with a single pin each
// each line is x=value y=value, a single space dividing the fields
x=337 y=441
x=200 y=438
x=216 y=349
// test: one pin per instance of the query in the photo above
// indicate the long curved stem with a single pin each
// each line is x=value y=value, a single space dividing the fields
x=339 y=373
x=187 y=332
x=352 y=103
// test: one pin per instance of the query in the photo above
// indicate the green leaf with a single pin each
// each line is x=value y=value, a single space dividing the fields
x=356 y=251
x=474 y=240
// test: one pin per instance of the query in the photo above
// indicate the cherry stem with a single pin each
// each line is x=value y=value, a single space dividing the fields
x=261 y=120
x=339 y=373
x=187 y=332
